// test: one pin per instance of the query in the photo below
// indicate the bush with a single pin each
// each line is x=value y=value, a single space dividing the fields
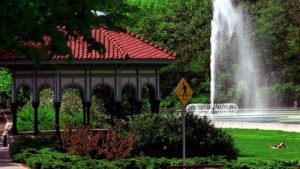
x=71 y=111
x=111 y=144
x=160 y=135
x=25 y=120
x=46 y=113
x=36 y=143
x=49 y=159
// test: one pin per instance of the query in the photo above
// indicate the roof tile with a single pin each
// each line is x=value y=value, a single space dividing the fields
x=118 y=45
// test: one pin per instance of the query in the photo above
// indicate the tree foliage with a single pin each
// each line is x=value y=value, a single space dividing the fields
x=278 y=38
x=32 y=20
x=184 y=26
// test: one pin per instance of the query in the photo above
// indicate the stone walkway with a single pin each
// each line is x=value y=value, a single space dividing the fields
x=281 y=119
x=5 y=160
x=260 y=126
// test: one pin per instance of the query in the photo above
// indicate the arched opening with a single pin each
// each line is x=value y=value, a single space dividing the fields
x=128 y=100
x=5 y=89
x=102 y=106
x=46 y=113
x=25 y=111
x=71 y=110
x=148 y=96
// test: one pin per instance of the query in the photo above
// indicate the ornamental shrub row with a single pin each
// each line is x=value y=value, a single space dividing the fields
x=48 y=159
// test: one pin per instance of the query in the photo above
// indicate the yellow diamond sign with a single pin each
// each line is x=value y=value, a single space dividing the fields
x=184 y=92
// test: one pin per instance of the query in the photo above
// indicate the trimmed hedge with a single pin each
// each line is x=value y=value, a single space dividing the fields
x=49 y=159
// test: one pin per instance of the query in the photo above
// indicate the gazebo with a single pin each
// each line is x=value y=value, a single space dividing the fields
x=129 y=60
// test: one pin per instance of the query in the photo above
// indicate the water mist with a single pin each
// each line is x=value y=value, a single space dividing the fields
x=234 y=60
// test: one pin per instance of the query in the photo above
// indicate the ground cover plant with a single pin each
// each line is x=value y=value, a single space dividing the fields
x=47 y=158
x=255 y=144
x=35 y=152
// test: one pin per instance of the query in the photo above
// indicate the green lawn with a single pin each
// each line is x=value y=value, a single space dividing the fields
x=255 y=144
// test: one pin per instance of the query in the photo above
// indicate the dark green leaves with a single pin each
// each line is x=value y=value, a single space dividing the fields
x=30 y=20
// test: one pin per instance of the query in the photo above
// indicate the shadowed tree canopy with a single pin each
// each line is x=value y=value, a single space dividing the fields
x=31 y=20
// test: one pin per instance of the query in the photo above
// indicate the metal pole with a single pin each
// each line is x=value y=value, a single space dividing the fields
x=183 y=137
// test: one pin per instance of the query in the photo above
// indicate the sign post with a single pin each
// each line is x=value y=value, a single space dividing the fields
x=184 y=93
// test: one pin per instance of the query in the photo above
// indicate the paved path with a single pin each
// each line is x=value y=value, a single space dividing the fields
x=5 y=160
x=285 y=120
x=261 y=126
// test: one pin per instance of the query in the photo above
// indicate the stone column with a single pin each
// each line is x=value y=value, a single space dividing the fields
x=110 y=109
x=131 y=103
x=118 y=106
x=155 y=106
x=84 y=113
x=57 y=108
x=88 y=112
x=14 y=108
x=35 y=106
x=138 y=105
x=112 y=118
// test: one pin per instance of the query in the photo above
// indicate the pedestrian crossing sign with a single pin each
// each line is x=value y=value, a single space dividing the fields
x=184 y=92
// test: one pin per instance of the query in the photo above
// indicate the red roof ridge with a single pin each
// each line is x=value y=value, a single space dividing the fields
x=120 y=44
x=150 y=43
x=143 y=39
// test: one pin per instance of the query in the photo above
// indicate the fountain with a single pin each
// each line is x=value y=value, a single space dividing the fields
x=235 y=68
x=234 y=61
x=234 y=55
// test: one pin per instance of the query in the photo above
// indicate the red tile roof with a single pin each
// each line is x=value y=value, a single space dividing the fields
x=118 y=45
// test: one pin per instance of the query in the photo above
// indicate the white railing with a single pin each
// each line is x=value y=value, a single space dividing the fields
x=202 y=109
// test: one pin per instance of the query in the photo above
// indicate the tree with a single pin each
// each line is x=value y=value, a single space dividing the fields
x=183 y=27
x=278 y=37
x=32 y=20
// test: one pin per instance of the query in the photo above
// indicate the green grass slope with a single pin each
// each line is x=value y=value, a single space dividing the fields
x=255 y=144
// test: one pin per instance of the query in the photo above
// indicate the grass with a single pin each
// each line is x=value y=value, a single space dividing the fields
x=255 y=144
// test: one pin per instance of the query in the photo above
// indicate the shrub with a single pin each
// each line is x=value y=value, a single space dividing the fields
x=80 y=140
x=203 y=139
x=26 y=118
x=99 y=113
x=46 y=113
x=49 y=159
x=160 y=135
x=116 y=143
x=111 y=144
x=71 y=111
x=71 y=108
x=36 y=143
